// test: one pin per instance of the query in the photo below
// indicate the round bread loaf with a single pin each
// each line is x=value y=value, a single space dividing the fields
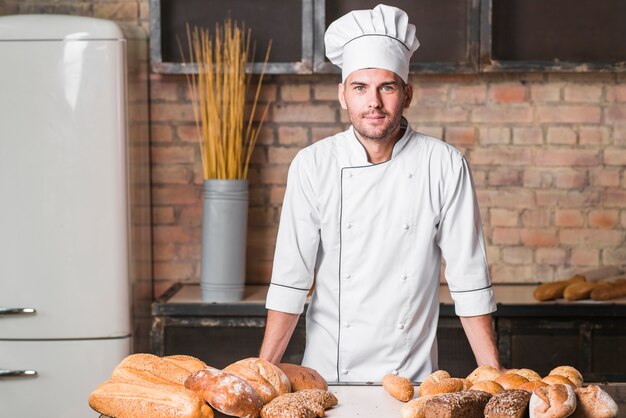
x=415 y=408
x=554 y=401
x=399 y=387
x=557 y=379
x=302 y=377
x=529 y=374
x=531 y=386
x=267 y=379
x=511 y=381
x=594 y=402
x=189 y=363
x=453 y=384
x=570 y=372
x=225 y=392
x=488 y=386
x=483 y=373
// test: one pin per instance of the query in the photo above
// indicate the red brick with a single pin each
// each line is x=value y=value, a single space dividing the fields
x=616 y=93
x=568 y=217
x=495 y=135
x=295 y=92
x=121 y=11
x=277 y=194
x=318 y=133
x=268 y=93
x=192 y=251
x=424 y=94
x=623 y=219
x=167 y=112
x=175 y=195
x=420 y=113
x=264 y=216
x=258 y=271
x=282 y=155
x=162 y=234
x=191 y=216
x=508 y=93
x=513 y=198
x=468 y=94
x=539 y=237
x=163 y=215
x=517 y=255
x=171 y=174
x=258 y=195
x=527 y=136
x=571 y=179
x=303 y=113
x=493 y=254
x=614 y=256
x=501 y=156
x=267 y=136
x=536 y=217
x=561 y=135
x=173 y=271
x=259 y=155
x=521 y=113
x=541 y=178
x=514 y=274
x=503 y=217
x=164 y=252
x=568 y=114
x=545 y=92
x=582 y=93
x=592 y=237
x=615 y=156
x=293 y=135
x=273 y=174
x=550 y=256
x=168 y=91
x=161 y=133
x=593 y=136
x=619 y=135
x=506 y=236
x=604 y=177
x=569 y=198
x=173 y=155
x=585 y=257
x=615 y=198
x=504 y=177
x=325 y=91
x=479 y=177
x=460 y=135
x=433 y=131
x=188 y=133
x=603 y=218
x=615 y=114
x=567 y=157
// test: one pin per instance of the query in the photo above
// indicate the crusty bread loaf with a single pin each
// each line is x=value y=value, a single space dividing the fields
x=570 y=373
x=579 y=291
x=488 y=386
x=557 y=379
x=142 y=368
x=593 y=402
x=484 y=373
x=453 y=384
x=189 y=363
x=267 y=379
x=554 y=290
x=507 y=404
x=133 y=400
x=531 y=386
x=399 y=387
x=302 y=377
x=611 y=290
x=225 y=392
x=529 y=374
x=466 y=404
x=414 y=408
x=511 y=381
x=307 y=403
x=553 y=401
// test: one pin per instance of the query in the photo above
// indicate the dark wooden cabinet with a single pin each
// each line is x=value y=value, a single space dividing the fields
x=539 y=336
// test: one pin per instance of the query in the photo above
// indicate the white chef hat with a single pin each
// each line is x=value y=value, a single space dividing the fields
x=377 y=38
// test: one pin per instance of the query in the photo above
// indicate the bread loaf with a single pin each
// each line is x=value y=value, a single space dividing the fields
x=225 y=392
x=142 y=368
x=434 y=377
x=531 y=386
x=189 y=363
x=415 y=408
x=467 y=404
x=570 y=373
x=554 y=401
x=557 y=379
x=593 y=402
x=266 y=379
x=579 y=291
x=511 y=381
x=529 y=374
x=307 y=403
x=133 y=400
x=507 y=404
x=488 y=386
x=453 y=384
x=399 y=387
x=554 y=290
x=611 y=290
x=484 y=373
x=302 y=377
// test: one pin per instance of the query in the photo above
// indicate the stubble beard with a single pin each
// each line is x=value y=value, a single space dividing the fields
x=369 y=134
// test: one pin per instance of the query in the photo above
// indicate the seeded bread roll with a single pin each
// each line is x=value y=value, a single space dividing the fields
x=307 y=403
x=593 y=402
x=508 y=404
x=554 y=290
x=134 y=400
x=149 y=368
x=554 y=401
x=399 y=387
x=302 y=377
x=484 y=373
x=511 y=381
x=557 y=379
x=488 y=386
x=414 y=408
x=466 y=404
x=570 y=373
x=225 y=392
x=189 y=363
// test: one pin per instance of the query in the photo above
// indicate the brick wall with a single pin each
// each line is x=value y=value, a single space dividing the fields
x=547 y=152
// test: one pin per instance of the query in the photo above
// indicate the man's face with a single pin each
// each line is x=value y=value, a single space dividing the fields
x=375 y=99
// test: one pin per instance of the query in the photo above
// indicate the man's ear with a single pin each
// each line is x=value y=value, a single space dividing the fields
x=409 y=96
x=341 y=91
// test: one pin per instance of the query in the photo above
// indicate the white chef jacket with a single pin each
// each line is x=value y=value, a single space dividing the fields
x=372 y=235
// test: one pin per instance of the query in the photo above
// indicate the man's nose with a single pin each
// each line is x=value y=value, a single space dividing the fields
x=374 y=101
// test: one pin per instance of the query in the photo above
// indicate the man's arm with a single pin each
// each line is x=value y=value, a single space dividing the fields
x=479 y=331
x=278 y=330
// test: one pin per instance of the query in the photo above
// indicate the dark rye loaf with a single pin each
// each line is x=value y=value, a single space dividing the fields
x=507 y=404
x=465 y=404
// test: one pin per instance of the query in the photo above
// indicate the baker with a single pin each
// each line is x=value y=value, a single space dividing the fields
x=367 y=215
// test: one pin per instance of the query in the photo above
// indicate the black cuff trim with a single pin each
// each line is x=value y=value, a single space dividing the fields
x=289 y=287
x=466 y=291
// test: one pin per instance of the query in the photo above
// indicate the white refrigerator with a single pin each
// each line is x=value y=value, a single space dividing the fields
x=64 y=236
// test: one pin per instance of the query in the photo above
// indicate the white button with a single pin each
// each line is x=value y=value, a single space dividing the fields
x=349 y=226
x=405 y=277
x=394 y=372
x=405 y=227
x=400 y=326
x=348 y=277
x=349 y=174
x=410 y=175
x=345 y=371
x=347 y=325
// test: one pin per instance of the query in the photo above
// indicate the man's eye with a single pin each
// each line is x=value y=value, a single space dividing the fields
x=387 y=88
x=359 y=88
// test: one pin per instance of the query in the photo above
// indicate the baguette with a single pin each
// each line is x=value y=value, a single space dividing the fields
x=611 y=290
x=554 y=290
x=579 y=291
x=134 y=400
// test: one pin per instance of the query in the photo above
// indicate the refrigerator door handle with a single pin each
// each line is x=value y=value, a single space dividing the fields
x=17 y=311
x=17 y=373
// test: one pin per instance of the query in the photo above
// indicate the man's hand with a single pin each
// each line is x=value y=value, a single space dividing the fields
x=479 y=331
x=278 y=330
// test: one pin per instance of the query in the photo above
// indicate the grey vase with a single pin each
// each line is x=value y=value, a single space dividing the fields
x=224 y=229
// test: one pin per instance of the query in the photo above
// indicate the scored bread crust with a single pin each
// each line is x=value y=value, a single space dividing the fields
x=570 y=373
x=189 y=363
x=268 y=380
x=557 y=379
x=399 y=387
x=484 y=373
x=148 y=367
x=511 y=381
x=488 y=386
x=553 y=401
x=592 y=401
x=453 y=384
x=302 y=377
